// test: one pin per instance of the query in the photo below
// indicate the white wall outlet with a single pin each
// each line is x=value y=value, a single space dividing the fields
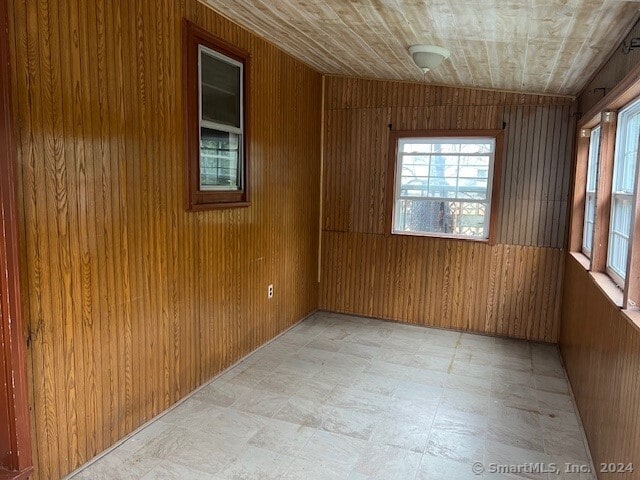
x=270 y=291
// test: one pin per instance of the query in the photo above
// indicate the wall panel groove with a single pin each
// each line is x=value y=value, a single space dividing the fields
x=599 y=342
x=600 y=351
x=507 y=289
x=130 y=301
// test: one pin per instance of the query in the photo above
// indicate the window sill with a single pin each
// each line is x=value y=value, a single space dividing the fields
x=201 y=207
x=441 y=237
x=609 y=288
x=633 y=317
x=582 y=259
x=606 y=285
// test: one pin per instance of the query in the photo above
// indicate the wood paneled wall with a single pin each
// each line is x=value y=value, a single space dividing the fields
x=505 y=290
x=600 y=344
x=601 y=352
x=536 y=175
x=131 y=302
x=611 y=73
x=511 y=288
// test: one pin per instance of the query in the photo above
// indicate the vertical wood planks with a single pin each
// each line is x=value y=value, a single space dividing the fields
x=505 y=290
x=600 y=348
x=537 y=169
x=511 y=288
x=131 y=302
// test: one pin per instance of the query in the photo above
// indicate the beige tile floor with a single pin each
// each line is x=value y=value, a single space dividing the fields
x=343 y=397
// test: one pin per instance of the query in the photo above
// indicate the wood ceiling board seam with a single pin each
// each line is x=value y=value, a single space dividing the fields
x=564 y=42
x=459 y=71
x=261 y=33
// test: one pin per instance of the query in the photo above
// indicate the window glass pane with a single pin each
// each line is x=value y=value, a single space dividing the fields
x=629 y=153
x=621 y=210
x=590 y=203
x=594 y=151
x=444 y=186
x=220 y=90
x=589 y=220
x=474 y=171
x=447 y=217
x=626 y=149
x=475 y=161
x=417 y=148
x=447 y=145
x=472 y=184
x=219 y=160
x=624 y=179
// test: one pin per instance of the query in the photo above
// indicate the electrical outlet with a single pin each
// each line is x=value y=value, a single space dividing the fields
x=270 y=291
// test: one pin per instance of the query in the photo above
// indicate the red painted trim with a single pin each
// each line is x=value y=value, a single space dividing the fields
x=21 y=475
x=15 y=439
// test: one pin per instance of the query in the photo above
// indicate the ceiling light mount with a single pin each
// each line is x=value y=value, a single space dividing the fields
x=428 y=57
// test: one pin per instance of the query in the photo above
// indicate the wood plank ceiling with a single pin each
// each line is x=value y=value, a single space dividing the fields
x=551 y=46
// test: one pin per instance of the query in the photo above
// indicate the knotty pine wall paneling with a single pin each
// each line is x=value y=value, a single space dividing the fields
x=511 y=288
x=130 y=301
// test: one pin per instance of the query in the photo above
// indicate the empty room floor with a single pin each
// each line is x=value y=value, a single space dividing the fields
x=344 y=397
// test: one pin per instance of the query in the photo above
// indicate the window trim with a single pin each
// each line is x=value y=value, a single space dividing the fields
x=620 y=136
x=625 y=294
x=16 y=460
x=605 y=111
x=604 y=186
x=196 y=199
x=494 y=204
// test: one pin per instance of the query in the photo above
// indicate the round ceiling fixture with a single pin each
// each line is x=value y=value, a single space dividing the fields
x=428 y=57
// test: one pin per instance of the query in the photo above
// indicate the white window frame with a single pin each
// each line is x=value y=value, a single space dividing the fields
x=591 y=190
x=616 y=196
x=202 y=50
x=488 y=201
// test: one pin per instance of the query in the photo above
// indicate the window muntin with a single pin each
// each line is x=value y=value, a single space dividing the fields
x=443 y=186
x=220 y=83
x=590 y=192
x=623 y=188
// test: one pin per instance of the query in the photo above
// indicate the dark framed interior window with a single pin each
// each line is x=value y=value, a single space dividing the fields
x=216 y=80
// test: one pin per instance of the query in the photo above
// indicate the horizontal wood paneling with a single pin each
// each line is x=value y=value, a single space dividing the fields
x=601 y=352
x=532 y=212
x=130 y=301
